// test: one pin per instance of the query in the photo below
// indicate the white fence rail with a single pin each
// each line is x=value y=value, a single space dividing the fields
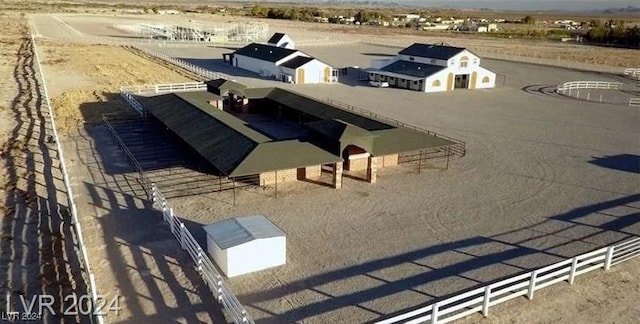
x=481 y=299
x=204 y=265
x=634 y=102
x=632 y=72
x=97 y=317
x=165 y=88
x=602 y=85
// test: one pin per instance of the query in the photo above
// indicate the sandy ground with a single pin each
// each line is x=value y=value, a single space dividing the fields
x=313 y=34
x=36 y=241
x=132 y=252
x=598 y=297
x=545 y=178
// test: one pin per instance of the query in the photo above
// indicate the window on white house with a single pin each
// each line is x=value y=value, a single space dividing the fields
x=463 y=64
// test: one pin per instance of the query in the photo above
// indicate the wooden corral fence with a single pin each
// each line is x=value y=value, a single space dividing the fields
x=204 y=265
x=96 y=313
x=481 y=299
x=632 y=72
x=459 y=148
x=634 y=102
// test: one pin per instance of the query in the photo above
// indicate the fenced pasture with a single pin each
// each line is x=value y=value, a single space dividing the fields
x=203 y=263
x=481 y=299
x=600 y=91
x=93 y=304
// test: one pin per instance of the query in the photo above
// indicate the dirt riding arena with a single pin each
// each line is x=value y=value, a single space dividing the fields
x=545 y=178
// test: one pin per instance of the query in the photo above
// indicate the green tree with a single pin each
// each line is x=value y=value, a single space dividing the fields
x=529 y=20
x=595 y=23
x=258 y=11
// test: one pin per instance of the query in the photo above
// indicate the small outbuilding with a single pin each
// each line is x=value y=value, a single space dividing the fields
x=242 y=245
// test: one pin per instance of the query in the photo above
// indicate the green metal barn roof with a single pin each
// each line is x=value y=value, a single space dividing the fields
x=226 y=141
x=236 y=149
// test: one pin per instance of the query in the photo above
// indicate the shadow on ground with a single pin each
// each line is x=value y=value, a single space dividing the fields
x=509 y=253
x=621 y=162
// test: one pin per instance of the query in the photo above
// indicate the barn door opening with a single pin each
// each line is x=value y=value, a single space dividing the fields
x=462 y=81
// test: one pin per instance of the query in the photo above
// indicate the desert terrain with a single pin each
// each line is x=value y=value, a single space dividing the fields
x=542 y=182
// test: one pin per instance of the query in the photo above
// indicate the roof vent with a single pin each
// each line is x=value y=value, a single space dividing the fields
x=270 y=52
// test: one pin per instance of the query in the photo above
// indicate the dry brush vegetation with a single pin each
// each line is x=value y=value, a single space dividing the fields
x=101 y=71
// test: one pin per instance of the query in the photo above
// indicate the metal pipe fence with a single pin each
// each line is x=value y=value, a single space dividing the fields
x=202 y=72
x=479 y=300
x=95 y=314
x=204 y=265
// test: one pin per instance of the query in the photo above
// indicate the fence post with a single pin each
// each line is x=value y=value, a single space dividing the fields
x=183 y=235
x=485 y=303
x=608 y=258
x=572 y=273
x=200 y=258
x=532 y=284
x=434 y=313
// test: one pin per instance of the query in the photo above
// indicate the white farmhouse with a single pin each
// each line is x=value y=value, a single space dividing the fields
x=433 y=68
x=276 y=60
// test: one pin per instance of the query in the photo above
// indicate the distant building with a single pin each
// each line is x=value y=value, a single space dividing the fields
x=433 y=68
x=406 y=17
x=169 y=12
x=437 y=27
x=279 y=60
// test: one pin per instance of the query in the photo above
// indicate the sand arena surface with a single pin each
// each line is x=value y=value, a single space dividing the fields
x=544 y=180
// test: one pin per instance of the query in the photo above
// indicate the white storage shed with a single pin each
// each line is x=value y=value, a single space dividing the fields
x=242 y=245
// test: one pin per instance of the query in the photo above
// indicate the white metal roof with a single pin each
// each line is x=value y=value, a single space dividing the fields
x=239 y=230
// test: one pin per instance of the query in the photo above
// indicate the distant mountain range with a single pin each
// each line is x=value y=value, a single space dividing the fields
x=609 y=6
x=627 y=10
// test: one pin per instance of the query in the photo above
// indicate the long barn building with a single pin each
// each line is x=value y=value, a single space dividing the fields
x=269 y=132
